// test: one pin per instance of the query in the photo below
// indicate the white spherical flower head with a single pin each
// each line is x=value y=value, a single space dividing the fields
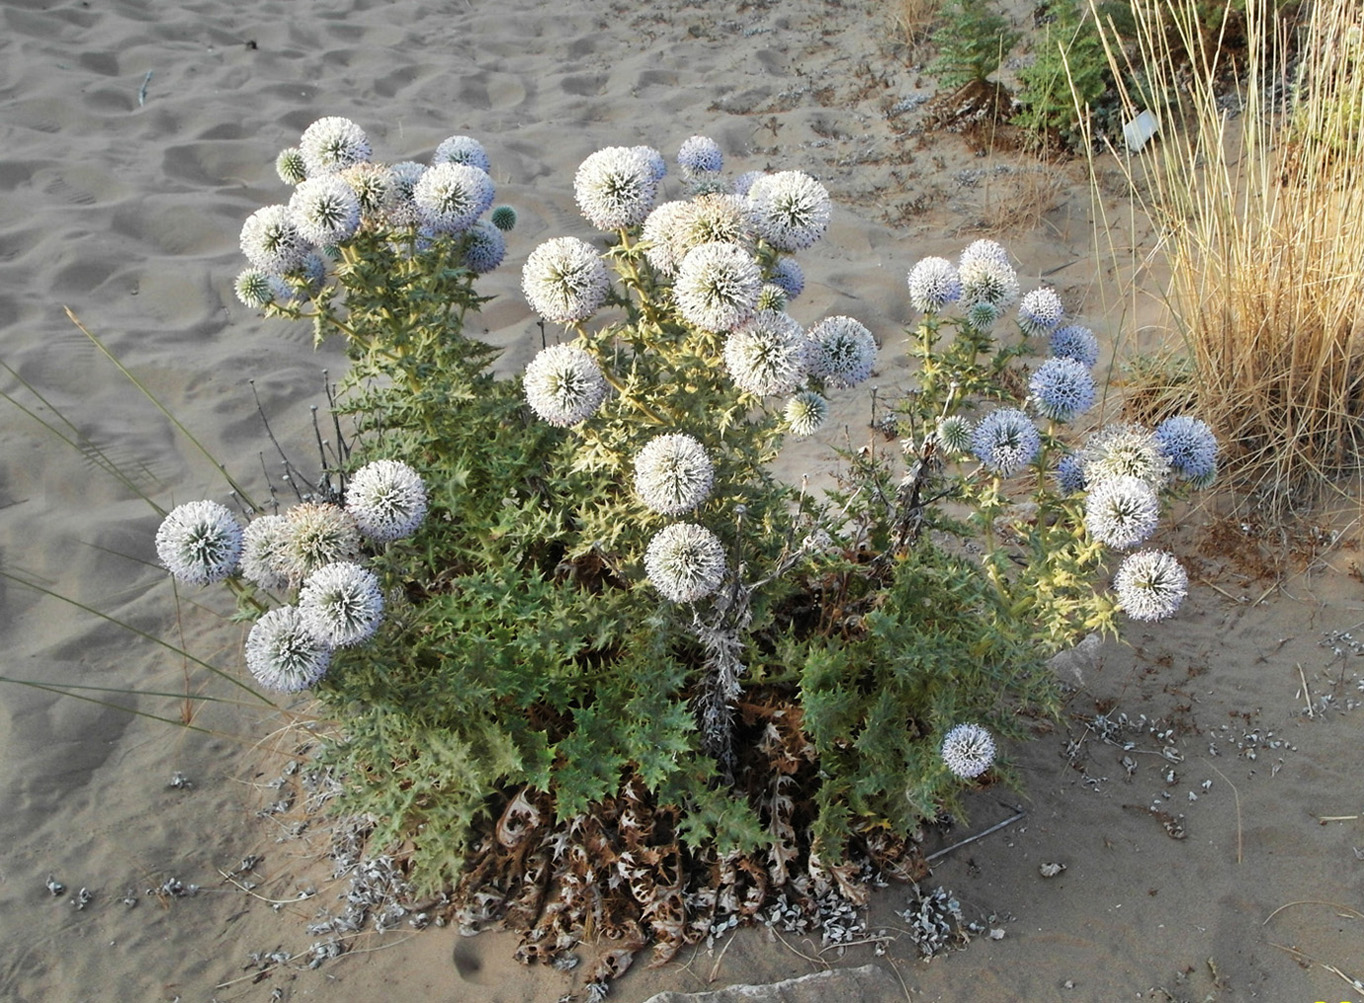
x=1075 y=342
x=787 y=273
x=1121 y=511
x=806 y=413
x=333 y=144
x=450 y=197
x=685 y=562
x=657 y=236
x=1039 y=312
x=487 y=247
x=717 y=286
x=263 y=551
x=325 y=209
x=615 y=187
x=271 y=241
x=283 y=654
x=985 y=250
x=710 y=219
x=1006 y=440
x=988 y=279
x=341 y=604
x=955 y=434
x=673 y=474
x=463 y=150
x=844 y=351
x=1150 y=585
x=564 y=385
x=564 y=280
x=790 y=210
x=1190 y=446
x=767 y=354
x=968 y=750
x=700 y=153
x=1123 y=450
x=318 y=533
x=1062 y=389
x=199 y=542
x=387 y=499
x=933 y=285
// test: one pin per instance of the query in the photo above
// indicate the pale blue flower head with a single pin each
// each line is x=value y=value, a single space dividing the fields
x=341 y=604
x=988 y=278
x=745 y=181
x=290 y=166
x=658 y=167
x=956 y=434
x=463 y=150
x=264 y=561
x=700 y=154
x=1039 y=312
x=1006 y=440
x=1150 y=585
x=787 y=273
x=806 y=413
x=332 y=144
x=933 y=285
x=1062 y=389
x=271 y=241
x=325 y=210
x=1125 y=450
x=387 y=500
x=657 y=236
x=685 y=562
x=673 y=474
x=254 y=289
x=1190 y=446
x=451 y=196
x=1075 y=342
x=843 y=352
x=486 y=248
x=1070 y=473
x=283 y=654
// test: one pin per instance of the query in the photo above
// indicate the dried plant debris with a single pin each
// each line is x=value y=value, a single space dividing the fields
x=935 y=922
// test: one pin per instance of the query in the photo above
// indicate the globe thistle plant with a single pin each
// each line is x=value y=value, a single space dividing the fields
x=806 y=413
x=1190 y=446
x=843 y=352
x=790 y=210
x=271 y=241
x=1006 y=440
x=956 y=435
x=325 y=210
x=1121 y=511
x=767 y=354
x=282 y=652
x=341 y=604
x=772 y=297
x=451 y=197
x=332 y=144
x=987 y=278
x=615 y=188
x=290 y=166
x=1125 y=450
x=1150 y=585
x=1062 y=389
x=1075 y=342
x=564 y=385
x=318 y=533
x=657 y=236
x=486 y=248
x=564 y=280
x=504 y=218
x=463 y=150
x=254 y=288
x=263 y=551
x=700 y=154
x=199 y=542
x=1039 y=312
x=387 y=500
x=787 y=273
x=968 y=750
x=717 y=286
x=1070 y=473
x=673 y=474
x=933 y=285
x=685 y=562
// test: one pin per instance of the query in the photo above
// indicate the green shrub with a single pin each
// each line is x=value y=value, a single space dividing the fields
x=972 y=42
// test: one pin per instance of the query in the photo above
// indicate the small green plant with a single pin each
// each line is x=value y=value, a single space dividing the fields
x=972 y=42
x=1068 y=75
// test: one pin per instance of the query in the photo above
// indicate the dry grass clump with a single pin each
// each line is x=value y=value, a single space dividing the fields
x=914 y=19
x=1258 y=199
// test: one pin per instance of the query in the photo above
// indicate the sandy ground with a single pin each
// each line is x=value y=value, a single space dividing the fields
x=136 y=138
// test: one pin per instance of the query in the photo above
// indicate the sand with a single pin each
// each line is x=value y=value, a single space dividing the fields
x=136 y=138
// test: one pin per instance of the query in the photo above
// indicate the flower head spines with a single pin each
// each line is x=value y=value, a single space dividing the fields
x=806 y=413
x=658 y=167
x=1062 y=389
x=767 y=354
x=325 y=210
x=451 y=196
x=341 y=604
x=968 y=750
x=199 y=542
x=1121 y=511
x=283 y=654
x=374 y=189
x=844 y=352
x=1006 y=440
x=717 y=286
x=564 y=280
x=271 y=241
x=263 y=551
x=673 y=474
x=657 y=236
x=462 y=150
x=709 y=219
x=387 y=500
x=685 y=562
x=332 y=144
x=790 y=210
x=956 y=434
x=1075 y=342
x=615 y=187
x=402 y=211
x=985 y=250
x=1150 y=585
x=933 y=285
x=772 y=297
x=290 y=166
x=700 y=154
x=564 y=385
x=1190 y=446
x=1039 y=312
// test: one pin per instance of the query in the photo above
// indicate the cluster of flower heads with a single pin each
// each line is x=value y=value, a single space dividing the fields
x=313 y=547
x=339 y=190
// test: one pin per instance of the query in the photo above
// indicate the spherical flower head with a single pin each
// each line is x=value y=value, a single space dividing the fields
x=333 y=144
x=968 y=750
x=787 y=273
x=387 y=500
x=987 y=279
x=790 y=210
x=318 y=533
x=254 y=289
x=271 y=241
x=564 y=280
x=673 y=474
x=709 y=219
x=956 y=434
x=486 y=249
x=700 y=153
x=767 y=354
x=374 y=189
x=463 y=150
x=263 y=546
x=1039 y=312
x=615 y=188
x=982 y=316
x=325 y=209
x=564 y=385
x=717 y=286
x=806 y=413
x=1006 y=440
x=1062 y=389
x=283 y=654
x=1190 y=446
x=1070 y=473
x=657 y=236
x=685 y=562
x=844 y=352
x=1075 y=342
x=290 y=166
x=1122 y=450
x=504 y=218
x=450 y=197
x=402 y=211
x=1121 y=511
x=658 y=167
x=985 y=250
x=199 y=542
x=1150 y=585
x=771 y=297
x=933 y=285
x=341 y=604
